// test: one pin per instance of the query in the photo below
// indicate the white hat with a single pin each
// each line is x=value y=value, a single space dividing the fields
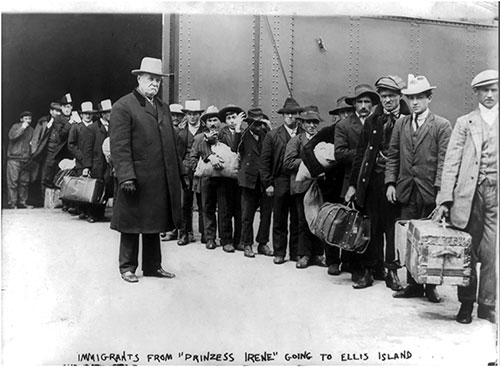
x=485 y=78
x=212 y=111
x=151 y=66
x=105 y=105
x=176 y=108
x=417 y=85
x=87 y=107
x=193 y=105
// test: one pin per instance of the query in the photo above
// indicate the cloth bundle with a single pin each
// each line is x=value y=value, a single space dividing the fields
x=324 y=153
x=231 y=163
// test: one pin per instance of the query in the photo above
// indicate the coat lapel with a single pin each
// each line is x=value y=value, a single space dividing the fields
x=424 y=129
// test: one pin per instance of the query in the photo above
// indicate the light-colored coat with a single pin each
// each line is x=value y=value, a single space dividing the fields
x=461 y=167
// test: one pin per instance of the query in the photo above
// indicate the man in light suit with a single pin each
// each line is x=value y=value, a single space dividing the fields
x=414 y=165
x=469 y=195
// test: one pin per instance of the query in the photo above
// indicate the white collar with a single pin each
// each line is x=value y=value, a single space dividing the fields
x=362 y=119
x=193 y=129
x=104 y=122
x=87 y=124
x=489 y=115
x=291 y=132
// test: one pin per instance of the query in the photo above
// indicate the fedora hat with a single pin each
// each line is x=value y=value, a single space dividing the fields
x=212 y=111
x=66 y=99
x=392 y=82
x=87 y=107
x=105 y=105
x=290 y=106
x=341 y=106
x=55 y=106
x=176 y=108
x=363 y=89
x=311 y=113
x=192 y=105
x=255 y=115
x=417 y=85
x=151 y=66
x=229 y=109
x=485 y=78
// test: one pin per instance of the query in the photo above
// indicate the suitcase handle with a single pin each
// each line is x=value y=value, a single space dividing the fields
x=447 y=252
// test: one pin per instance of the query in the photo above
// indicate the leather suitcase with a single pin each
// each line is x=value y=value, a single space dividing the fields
x=401 y=240
x=438 y=254
x=82 y=189
x=341 y=226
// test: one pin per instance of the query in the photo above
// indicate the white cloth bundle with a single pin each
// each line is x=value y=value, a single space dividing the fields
x=67 y=163
x=231 y=163
x=324 y=153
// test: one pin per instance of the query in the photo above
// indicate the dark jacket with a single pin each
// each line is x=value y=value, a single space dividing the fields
x=184 y=141
x=19 y=142
x=99 y=168
x=271 y=162
x=58 y=139
x=291 y=163
x=419 y=164
x=40 y=139
x=81 y=144
x=249 y=150
x=143 y=149
x=347 y=133
x=228 y=138
x=368 y=148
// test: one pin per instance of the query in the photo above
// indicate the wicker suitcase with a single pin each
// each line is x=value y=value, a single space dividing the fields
x=341 y=226
x=438 y=254
x=82 y=189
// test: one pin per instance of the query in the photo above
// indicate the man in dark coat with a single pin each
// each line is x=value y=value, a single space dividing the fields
x=149 y=173
x=249 y=146
x=414 y=165
x=367 y=181
x=276 y=181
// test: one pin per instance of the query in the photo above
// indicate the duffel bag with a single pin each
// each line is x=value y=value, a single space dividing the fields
x=342 y=226
x=82 y=189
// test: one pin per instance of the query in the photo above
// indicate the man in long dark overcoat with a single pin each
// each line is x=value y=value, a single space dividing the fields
x=148 y=171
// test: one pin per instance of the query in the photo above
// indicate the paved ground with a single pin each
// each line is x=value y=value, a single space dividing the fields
x=63 y=298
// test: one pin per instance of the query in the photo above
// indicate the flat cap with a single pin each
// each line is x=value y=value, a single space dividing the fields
x=392 y=82
x=24 y=114
x=485 y=78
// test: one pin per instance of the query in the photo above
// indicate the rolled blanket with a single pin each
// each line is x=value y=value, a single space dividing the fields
x=231 y=163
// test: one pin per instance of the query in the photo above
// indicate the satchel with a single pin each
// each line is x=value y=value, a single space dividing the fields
x=82 y=190
x=342 y=226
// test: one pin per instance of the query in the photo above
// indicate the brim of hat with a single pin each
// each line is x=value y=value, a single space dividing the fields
x=251 y=120
x=486 y=82
x=351 y=100
x=93 y=111
x=411 y=92
x=206 y=116
x=186 y=111
x=282 y=111
x=137 y=71
x=226 y=110
x=311 y=118
x=340 y=109
x=104 y=110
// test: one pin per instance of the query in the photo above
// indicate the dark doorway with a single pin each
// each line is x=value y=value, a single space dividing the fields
x=45 y=56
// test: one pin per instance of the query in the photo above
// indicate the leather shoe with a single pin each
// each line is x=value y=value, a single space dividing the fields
x=365 y=281
x=318 y=261
x=303 y=262
x=158 y=273
x=228 y=247
x=379 y=273
x=263 y=249
x=410 y=291
x=83 y=216
x=249 y=251
x=487 y=313
x=279 y=260
x=72 y=211
x=392 y=281
x=240 y=247
x=356 y=274
x=191 y=237
x=464 y=315
x=211 y=245
x=184 y=240
x=334 y=269
x=21 y=206
x=432 y=294
x=130 y=277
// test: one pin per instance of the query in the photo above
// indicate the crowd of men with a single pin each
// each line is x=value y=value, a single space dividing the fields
x=394 y=158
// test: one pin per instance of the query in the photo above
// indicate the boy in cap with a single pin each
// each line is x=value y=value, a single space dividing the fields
x=18 y=155
x=310 y=248
x=414 y=165
x=469 y=197
x=276 y=181
x=249 y=146
x=367 y=181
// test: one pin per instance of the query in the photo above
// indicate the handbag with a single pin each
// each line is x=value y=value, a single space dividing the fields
x=82 y=189
x=342 y=226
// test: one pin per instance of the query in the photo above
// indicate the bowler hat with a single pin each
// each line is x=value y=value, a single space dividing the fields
x=361 y=90
x=105 y=105
x=392 y=82
x=150 y=65
x=66 y=99
x=192 y=105
x=24 y=114
x=212 y=111
x=485 y=78
x=290 y=106
x=310 y=113
x=55 y=106
x=255 y=115
x=417 y=85
x=87 y=107
x=176 y=108
x=229 y=109
x=341 y=106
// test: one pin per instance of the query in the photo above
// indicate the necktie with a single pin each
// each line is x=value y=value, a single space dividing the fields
x=415 y=123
